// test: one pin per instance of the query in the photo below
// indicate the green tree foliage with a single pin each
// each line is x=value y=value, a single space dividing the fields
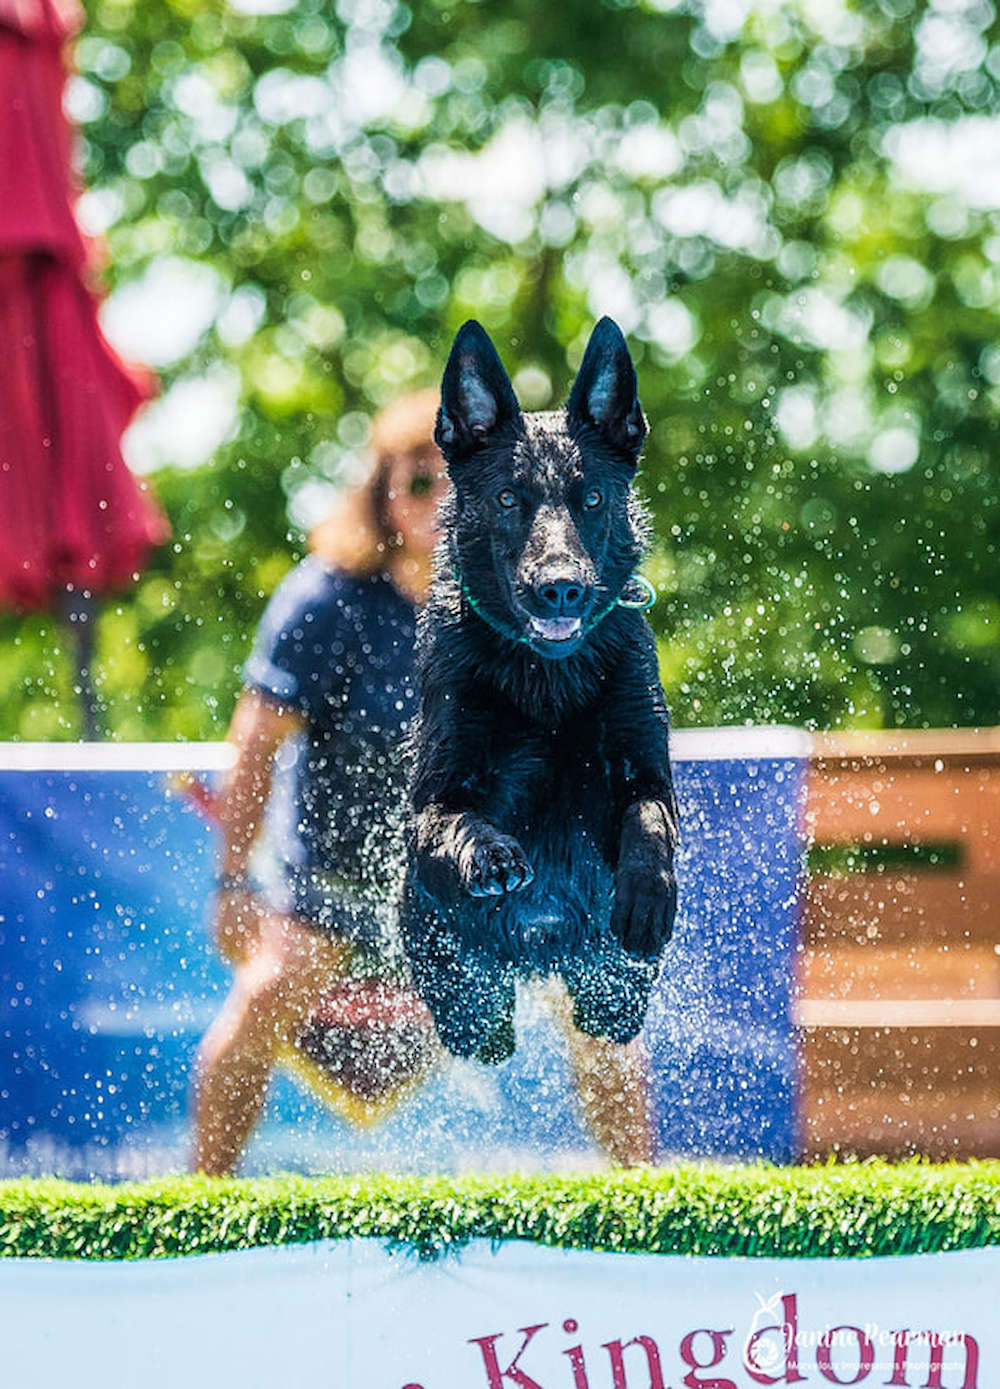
x=793 y=209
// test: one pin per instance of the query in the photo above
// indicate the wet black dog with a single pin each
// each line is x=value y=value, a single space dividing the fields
x=544 y=820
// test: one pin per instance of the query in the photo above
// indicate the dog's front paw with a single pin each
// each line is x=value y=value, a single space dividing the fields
x=490 y=867
x=644 y=909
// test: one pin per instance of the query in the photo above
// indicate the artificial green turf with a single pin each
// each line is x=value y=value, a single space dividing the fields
x=852 y=1209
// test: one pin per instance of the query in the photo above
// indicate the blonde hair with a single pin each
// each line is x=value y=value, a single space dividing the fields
x=356 y=536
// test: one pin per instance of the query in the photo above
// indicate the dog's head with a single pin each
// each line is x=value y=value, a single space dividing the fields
x=545 y=530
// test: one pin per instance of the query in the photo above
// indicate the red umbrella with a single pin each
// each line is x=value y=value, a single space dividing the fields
x=75 y=522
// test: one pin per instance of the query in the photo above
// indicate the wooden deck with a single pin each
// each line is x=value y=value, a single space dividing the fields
x=899 y=963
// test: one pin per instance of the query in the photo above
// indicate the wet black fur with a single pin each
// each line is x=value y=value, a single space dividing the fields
x=543 y=813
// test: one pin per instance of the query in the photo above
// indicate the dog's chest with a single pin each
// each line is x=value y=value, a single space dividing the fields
x=551 y=785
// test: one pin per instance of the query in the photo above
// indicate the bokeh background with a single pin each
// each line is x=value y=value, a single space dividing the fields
x=791 y=207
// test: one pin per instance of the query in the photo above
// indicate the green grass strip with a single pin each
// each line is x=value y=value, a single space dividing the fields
x=839 y=1211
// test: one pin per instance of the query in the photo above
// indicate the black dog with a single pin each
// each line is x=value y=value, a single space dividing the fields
x=544 y=819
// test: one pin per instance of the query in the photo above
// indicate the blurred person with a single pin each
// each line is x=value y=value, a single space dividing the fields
x=333 y=665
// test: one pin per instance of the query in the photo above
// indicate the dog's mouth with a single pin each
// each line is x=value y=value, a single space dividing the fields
x=555 y=629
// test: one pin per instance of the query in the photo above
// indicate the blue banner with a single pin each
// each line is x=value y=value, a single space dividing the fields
x=110 y=978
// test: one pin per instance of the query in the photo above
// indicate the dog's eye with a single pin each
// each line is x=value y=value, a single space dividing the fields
x=593 y=498
x=507 y=498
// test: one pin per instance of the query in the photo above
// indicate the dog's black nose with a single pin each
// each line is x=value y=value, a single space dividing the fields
x=560 y=597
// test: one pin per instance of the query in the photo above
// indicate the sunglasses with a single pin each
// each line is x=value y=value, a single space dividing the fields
x=421 y=484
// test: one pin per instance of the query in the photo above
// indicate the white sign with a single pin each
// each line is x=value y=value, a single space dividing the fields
x=353 y=1315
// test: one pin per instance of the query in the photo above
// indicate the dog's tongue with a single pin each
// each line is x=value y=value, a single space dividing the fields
x=555 y=628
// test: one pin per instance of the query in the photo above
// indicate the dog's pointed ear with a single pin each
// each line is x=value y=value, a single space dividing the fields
x=604 y=393
x=477 y=399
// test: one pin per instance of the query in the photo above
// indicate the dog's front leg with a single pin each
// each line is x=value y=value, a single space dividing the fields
x=645 y=887
x=459 y=853
x=638 y=728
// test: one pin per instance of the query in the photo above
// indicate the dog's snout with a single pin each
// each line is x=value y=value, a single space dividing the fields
x=556 y=574
x=562 y=596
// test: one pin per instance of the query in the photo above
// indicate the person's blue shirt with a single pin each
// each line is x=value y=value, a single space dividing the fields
x=339 y=650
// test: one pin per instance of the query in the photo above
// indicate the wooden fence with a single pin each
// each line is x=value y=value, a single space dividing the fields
x=899 y=969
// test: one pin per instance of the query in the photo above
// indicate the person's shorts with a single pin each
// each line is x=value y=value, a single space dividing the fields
x=342 y=911
x=368 y=1039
